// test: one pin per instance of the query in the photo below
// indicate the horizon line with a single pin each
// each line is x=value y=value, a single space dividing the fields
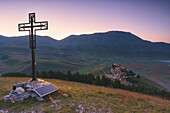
x=90 y=34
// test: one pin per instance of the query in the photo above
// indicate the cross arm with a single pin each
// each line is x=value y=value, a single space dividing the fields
x=23 y=26
x=37 y=25
x=43 y=25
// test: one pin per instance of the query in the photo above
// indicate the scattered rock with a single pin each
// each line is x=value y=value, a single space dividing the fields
x=80 y=108
x=3 y=111
x=18 y=91
x=73 y=104
x=6 y=97
x=58 y=107
x=55 y=101
x=12 y=101
x=65 y=95
x=28 y=86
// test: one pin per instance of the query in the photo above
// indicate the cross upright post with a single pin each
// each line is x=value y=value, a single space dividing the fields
x=32 y=27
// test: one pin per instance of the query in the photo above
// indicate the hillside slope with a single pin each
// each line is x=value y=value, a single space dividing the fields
x=84 y=98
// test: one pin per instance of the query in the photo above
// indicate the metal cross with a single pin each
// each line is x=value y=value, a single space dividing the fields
x=33 y=26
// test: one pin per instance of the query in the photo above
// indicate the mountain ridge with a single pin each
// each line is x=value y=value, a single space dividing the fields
x=117 y=43
x=26 y=36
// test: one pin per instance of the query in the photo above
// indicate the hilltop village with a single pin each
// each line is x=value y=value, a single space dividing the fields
x=119 y=72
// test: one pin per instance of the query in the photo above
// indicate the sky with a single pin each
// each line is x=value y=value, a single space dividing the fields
x=148 y=19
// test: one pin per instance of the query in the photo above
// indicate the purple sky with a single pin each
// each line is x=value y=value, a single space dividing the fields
x=148 y=19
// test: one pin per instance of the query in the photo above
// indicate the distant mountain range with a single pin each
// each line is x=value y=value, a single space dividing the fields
x=117 y=43
x=84 y=52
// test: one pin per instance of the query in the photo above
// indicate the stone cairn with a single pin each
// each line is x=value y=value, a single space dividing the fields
x=25 y=90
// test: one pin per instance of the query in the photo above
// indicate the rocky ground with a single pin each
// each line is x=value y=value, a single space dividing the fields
x=82 y=98
x=25 y=90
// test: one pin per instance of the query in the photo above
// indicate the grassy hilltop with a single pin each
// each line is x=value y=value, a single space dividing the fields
x=83 y=97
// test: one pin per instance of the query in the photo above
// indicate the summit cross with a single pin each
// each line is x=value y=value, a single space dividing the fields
x=32 y=27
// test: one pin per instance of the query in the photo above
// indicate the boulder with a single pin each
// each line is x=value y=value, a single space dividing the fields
x=6 y=98
x=19 y=90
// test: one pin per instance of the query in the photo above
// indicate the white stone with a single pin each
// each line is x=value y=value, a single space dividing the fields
x=80 y=106
x=19 y=90
x=65 y=95
x=7 y=97
x=11 y=91
x=28 y=86
x=13 y=101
